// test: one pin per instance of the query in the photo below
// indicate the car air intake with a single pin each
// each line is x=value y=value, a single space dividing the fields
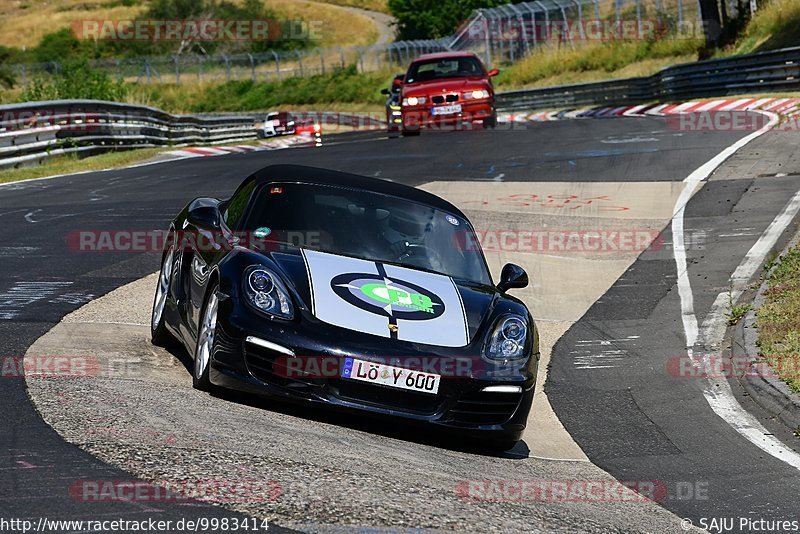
x=485 y=408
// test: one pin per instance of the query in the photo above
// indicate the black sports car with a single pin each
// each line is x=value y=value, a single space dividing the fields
x=351 y=292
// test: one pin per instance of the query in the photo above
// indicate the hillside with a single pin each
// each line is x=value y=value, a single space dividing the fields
x=24 y=22
x=775 y=25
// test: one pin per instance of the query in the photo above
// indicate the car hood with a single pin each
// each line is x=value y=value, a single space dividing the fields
x=444 y=86
x=387 y=300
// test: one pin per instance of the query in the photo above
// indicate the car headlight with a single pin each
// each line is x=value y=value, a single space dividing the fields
x=265 y=291
x=476 y=95
x=508 y=340
x=414 y=100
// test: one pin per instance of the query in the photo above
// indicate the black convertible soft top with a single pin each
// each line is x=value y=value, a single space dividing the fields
x=314 y=175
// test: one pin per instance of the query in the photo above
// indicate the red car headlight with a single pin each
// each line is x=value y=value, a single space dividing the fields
x=414 y=100
x=478 y=94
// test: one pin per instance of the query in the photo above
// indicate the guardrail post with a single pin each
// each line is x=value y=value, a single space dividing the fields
x=639 y=18
x=277 y=64
x=227 y=67
x=361 y=58
x=680 y=15
x=567 y=31
x=378 y=57
x=252 y=67
x=300 y=62
x=177 y=70
x=321 y=61
x=341 y=54
x=533 y=25
x=511 y=44
x=580 y=20
x=488 y=42
x=546 y=21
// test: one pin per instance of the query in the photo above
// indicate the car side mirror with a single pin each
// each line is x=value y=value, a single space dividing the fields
x=493 y=72
x=384 y=91
x=205 y=217
x=512 y=277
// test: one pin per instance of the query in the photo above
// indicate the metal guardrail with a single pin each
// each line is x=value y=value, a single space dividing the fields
x=764 y=72
x=32 y=132
x=35 y=131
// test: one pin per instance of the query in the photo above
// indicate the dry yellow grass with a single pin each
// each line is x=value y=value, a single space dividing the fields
x=24 y=22
x=339 y=27
x=641 y=68
x=371 y=5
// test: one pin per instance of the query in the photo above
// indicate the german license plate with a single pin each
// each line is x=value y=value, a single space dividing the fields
x=446 y=110
x=389 y=375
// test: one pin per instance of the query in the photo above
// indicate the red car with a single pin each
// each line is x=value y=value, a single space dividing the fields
x=448 y=90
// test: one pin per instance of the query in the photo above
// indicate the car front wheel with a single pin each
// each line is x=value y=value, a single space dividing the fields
x=159 y=334
x=206 y=341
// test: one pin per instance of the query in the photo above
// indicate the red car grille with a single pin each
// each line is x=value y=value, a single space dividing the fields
x=441 y=99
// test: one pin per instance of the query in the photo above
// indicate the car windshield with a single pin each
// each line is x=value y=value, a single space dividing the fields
x=433 y=69
x=369 y=226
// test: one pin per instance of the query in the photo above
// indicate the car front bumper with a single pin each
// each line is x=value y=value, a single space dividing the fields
x=418 y=117
x=462 y=404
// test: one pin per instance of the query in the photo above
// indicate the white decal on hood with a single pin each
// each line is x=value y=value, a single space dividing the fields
x=386 y=300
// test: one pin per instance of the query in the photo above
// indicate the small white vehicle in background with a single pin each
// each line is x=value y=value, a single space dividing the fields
x=277 y=123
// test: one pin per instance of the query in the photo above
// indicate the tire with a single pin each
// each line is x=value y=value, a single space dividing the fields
x=159 y=335
x=491 y=122
x=206 y=340
x=409 y=133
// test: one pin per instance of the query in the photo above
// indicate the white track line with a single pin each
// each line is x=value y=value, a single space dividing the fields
x=717 y=392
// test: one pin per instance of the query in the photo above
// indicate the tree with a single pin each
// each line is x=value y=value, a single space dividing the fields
x=432 y=19
x=712 y=23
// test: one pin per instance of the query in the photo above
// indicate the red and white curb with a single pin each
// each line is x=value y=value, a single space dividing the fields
x=786 y=107
x=273 y=144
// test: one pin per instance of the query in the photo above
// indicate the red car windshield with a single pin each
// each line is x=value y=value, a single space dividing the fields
x=434 y=69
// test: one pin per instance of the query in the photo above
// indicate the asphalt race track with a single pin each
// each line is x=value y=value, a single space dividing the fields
x=628 y=413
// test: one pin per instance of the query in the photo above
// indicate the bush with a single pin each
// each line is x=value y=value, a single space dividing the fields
x=7 y=78
x=76 y=80
x=342 y=86
x=432 y=19
x=59 y=46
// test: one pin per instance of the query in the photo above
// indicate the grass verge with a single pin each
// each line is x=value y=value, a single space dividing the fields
x=70 y=164
x=597 y=61
x=778 y=320
x=343 y=88
x=775 y=26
